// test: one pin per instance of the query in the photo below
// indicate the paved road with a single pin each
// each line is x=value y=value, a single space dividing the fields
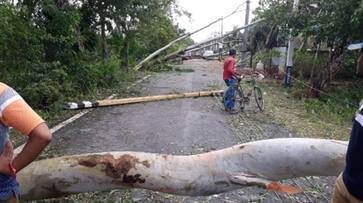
x=185 y=126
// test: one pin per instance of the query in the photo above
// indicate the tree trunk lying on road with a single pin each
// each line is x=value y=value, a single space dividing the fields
x=113 y=102
x=251 y=164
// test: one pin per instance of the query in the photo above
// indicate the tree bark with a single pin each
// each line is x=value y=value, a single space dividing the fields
x=79 y=39
x=251 y=164
x=313 y=78
x=103 y=38
x=360 y=64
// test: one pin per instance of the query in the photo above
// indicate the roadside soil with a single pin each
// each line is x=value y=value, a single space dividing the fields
x=180 y=127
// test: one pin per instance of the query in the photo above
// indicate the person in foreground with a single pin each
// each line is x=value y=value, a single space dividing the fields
x=349 y=185
x=16 y=113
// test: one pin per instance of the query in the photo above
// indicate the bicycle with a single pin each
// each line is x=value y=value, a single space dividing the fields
x=234 y=98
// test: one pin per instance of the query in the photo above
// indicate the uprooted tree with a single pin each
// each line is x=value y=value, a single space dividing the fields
x=258 y=163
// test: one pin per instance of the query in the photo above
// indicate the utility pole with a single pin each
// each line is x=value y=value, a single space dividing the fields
x=220 y=44
x=245 y=35
x=290 y=50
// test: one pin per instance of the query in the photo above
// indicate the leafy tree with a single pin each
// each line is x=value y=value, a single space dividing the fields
x=52 y=50
x=326 y=23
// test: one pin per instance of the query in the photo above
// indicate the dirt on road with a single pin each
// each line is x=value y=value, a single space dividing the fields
x=181 y=127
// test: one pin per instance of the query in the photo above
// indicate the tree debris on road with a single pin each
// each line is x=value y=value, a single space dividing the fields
x=259 y=163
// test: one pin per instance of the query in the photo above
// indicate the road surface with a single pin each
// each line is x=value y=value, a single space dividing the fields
x=181 y=127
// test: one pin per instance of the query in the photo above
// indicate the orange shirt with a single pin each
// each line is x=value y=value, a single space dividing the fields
x=15 y=112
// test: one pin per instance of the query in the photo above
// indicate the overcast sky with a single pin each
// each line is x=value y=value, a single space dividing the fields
x=205 y=11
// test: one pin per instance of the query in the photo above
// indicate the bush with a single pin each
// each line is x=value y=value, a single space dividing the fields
x=88 y=75
x=304 y=62
x=45 y=86
x=158 y=66
x=350 y=65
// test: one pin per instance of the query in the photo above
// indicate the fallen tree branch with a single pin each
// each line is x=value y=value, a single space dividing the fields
x=113 y=102
x=251 y=164
x=157 y=52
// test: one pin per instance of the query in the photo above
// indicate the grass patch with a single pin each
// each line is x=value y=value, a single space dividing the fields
x=326 y=117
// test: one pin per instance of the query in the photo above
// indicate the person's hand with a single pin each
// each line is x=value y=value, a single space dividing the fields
x=238 y=76
x=6 y=157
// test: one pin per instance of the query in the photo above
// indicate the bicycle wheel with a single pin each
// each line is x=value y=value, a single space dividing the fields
x=259 y=98
x=233 y=100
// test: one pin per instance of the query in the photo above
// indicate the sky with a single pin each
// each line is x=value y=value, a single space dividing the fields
x=205 y=11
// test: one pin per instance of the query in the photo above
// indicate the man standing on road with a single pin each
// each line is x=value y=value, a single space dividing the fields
x=229 y=68
x=349 y=185
x=16 y=113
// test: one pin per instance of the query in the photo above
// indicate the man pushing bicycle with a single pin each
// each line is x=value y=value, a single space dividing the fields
x=235 y=97
x=229 y=68
x=229 y=76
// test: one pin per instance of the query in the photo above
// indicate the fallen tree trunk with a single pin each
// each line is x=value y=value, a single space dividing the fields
x=113 y=102
x=251 y=164
x=157 y=52
x=214 y=43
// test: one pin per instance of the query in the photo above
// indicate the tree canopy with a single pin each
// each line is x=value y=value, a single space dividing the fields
x=54 y=49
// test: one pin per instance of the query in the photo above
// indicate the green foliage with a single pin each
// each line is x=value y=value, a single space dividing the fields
x=330 y=25
x=266 y=55
x=53 y=51
x=339 y=103
x=19 y=42
x=334 y=22
x=87 y=77
x=350 y=65
x=158 y=66
x=156 y=34
x=305 y=62
x=59 y=25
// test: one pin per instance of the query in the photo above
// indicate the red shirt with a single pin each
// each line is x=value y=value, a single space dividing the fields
x=229 y=68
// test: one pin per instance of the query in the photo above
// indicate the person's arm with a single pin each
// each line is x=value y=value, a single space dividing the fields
x=39 y=138
x=18 y=114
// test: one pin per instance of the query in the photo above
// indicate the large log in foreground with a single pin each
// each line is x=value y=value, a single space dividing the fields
x=113 y=102
x=251 y=164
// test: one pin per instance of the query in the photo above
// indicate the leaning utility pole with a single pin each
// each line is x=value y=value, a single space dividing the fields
x=245 y=35
x=290 y=50
x=220 y=44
